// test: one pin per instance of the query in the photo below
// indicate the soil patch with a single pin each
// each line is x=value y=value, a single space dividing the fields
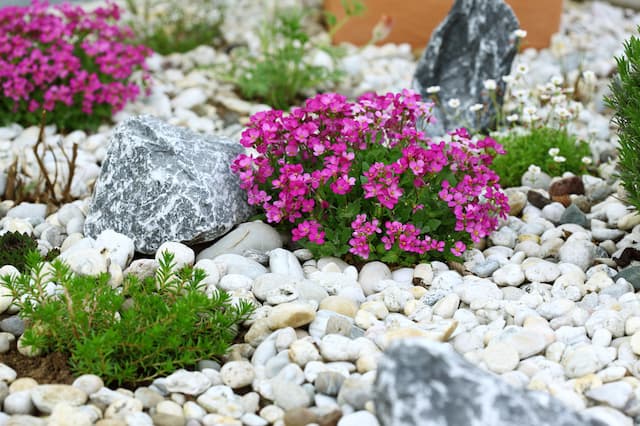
x=52 y=368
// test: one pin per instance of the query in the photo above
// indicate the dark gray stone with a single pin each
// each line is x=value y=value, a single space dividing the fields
x=428 y=384
x=164 y=183
x=474 y=43
x=631 y=274
x=573 y=214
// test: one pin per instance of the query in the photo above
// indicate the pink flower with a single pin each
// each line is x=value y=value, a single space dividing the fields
x=332 y=162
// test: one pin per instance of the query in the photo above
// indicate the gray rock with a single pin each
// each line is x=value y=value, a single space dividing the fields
x=164 y=183
x=13 y=324
x=419 y=380
x=573 y=214
x=474 y=43
x=631 y=274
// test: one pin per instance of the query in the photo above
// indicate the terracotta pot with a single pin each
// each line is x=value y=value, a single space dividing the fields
x=414 y=20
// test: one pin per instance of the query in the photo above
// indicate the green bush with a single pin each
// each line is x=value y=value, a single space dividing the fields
x=280 y=73
x=174 y=27
x=625 y=100
x=538 y=147
x=127 y=335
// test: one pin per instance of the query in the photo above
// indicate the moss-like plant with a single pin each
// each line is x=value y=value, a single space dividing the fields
x=625 y=100
x=14 y=248
x=555 y=151
x=128 y=335
x=281 y=72
x=176 y=27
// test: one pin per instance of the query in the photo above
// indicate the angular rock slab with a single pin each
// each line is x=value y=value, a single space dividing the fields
x=164 y=183
x=474 y=43
x=425 y=383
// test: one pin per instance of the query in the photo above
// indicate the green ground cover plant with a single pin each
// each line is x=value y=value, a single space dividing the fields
x=281 y=72
x=554 y=151
x=625 y=100
x=128 y=335
x=176 y=27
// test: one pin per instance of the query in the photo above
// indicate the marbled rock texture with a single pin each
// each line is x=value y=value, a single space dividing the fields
x=474 y=43
x=424 y=383
x=164 y=183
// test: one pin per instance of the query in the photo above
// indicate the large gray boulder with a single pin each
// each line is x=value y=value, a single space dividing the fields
x=474 y=43
x=426 y=383
x=164 y=183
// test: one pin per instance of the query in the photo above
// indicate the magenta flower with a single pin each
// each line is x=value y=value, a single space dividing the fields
x=61 y=58
x=322 y=170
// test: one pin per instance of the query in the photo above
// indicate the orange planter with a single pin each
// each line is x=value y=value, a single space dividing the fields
x=414 y=20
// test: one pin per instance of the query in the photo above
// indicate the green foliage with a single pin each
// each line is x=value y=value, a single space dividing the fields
x=174 y=27
x=533 y=148
x=126 y=335
x=14 y=248
x=625 y=100
x=281 y=73
x=351 y=8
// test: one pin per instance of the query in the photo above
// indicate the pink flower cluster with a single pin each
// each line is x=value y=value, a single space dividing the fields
x=306 y=167
x=62 y=55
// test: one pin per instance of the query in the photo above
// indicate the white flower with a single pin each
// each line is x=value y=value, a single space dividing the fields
x=587 y=160
x=559 y=159
x=490 y=84
x=555 y=100
x=511 y=118
x=589 y=77
x=553 y=151
x=530 y=110
x=557 y=80
x=563 y=113
x=454 y=103
x=433 y=89
x=520 y=33
x=521 y=93
x=508 y=79
x=533 y=169
x=522 y=69
x=476 y=107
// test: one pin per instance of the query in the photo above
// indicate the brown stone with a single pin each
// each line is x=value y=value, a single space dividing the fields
x=566 y=186
x=537 y=199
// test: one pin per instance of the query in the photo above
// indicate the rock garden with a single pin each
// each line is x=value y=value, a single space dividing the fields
x=218 y=213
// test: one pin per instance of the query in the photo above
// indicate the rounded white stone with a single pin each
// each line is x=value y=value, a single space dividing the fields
x=7 y=374
x=170 y=407
x=284 y=262
x=509 y=275
x=303 y=351
x=85 y=262
x=237 y=374
x=18 y=403
x=292 y=314
x=183 y=255
x=370 y=276
x=541 y=271
x=88 y=383
x=500 y=358
x=118 y=247
x=187 y=382
x=335 y=347
x=447 y=306
x=45 y=397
